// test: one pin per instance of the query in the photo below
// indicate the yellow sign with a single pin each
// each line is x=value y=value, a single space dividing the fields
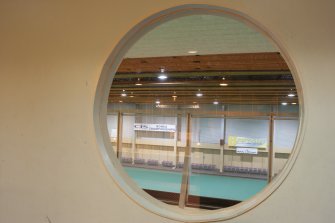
x=237 y=141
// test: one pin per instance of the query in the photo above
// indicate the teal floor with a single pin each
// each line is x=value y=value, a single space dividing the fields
x=233 y=188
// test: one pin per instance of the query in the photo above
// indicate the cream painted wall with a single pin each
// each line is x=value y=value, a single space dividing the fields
x=51 y=56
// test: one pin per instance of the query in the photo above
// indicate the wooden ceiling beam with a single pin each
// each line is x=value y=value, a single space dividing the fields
x=218 y=62
x=209 y=83
x=186 y=88
x=200 y=113
x=208 y=100
x=181 y=74
x=220 y=102
x=252 y=78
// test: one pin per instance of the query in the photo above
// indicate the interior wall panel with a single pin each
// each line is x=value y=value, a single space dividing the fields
x=51 y=57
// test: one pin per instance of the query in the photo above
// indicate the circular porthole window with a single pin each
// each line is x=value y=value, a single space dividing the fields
x=198 y=114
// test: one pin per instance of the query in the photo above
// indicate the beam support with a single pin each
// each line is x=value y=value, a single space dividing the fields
x=270 y=152
x=224 y=141
x=119 y=135
x=187 y=166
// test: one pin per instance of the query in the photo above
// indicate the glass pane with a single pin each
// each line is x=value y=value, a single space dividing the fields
x=112 y=129
x=203 y=112
x=149 y=149
x=221 y=175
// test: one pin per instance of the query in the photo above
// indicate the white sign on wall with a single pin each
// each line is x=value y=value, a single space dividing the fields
x=154 y=127
x=247 y=150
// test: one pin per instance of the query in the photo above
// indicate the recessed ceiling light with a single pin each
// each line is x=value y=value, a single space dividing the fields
x=291 y=95
x=284 y=103
x=223 y=78
x=199 y=94
x=223 y=84
x=162 y=70
x=192 y=51
x=120 y=101
x=162 y=76
x=293 y=103
x=174 y=96
x=157 y=102
x=138 y=83
x=123 y=94
x=131 y=96
x=215 y=102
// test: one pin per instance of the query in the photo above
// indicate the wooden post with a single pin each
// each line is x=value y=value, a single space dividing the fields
x=221 y=158
x=175 y=143
x=119 y=135
x=187 y=166
x=133 y=147
x=270 y=152
x=224 y=142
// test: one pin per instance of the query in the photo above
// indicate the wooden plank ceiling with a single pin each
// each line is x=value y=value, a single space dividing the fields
x=251 y=78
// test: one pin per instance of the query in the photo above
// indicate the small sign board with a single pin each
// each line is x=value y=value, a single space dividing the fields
x=252 y=151
x=154 y=127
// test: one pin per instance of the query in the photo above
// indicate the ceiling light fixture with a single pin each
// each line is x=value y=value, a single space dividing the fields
x=192 y=51
x=291 y=95
x=157 y=102
x=123 y=94
x=284 y=103
x=199 y=94
x=215 y=102
x=162 y=77
x=223 y=84
x=138 y=82
x=293 y=103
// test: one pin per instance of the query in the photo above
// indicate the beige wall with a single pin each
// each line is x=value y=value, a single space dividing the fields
x=51 y=56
